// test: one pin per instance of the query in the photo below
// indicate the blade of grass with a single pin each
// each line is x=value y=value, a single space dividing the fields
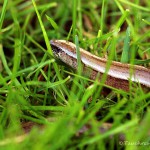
x=74 y=17
x=53 y=23
x=122 y=19
x=3 y=13
x=43 y=29
x=135 y=5
x=79 y=69
x=80 y=18
x=128 y=20
x=125 y=52
x=3 y=58
x=147 y=22
x=102 y=17
x=17 y=56
x=40 y=66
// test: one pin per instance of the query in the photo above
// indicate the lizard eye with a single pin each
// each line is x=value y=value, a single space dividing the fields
x=55 y=49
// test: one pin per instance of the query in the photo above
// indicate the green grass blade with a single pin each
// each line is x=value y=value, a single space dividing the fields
x=53 y=23
x=43 y=29
x=3 y=13
x=126 y=47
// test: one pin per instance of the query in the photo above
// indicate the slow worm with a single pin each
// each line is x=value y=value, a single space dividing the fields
x=118 y=75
